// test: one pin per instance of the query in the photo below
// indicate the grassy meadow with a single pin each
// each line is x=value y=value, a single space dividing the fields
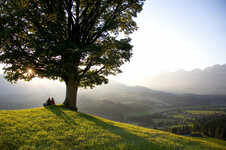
x=56 y=127
x=205 y=112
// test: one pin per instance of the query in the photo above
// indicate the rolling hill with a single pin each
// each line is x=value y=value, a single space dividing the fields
x=56 y=127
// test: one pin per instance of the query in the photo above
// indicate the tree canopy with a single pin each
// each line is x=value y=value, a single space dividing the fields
x=66 y=39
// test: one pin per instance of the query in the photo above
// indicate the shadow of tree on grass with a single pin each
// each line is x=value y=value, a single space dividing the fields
x=127 y=139
x=58 y=111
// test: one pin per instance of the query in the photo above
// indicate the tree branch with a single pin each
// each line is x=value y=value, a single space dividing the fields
x=86 y=69
x=98 y=34
x=95 y=73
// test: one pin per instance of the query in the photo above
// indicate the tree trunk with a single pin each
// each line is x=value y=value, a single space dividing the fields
x=71 y=94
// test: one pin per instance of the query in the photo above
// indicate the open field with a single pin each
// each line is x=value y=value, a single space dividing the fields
x=178 y=116
x=203 y=112
x=56 y=127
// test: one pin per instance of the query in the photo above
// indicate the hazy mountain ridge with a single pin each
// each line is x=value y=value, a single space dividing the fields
x=24 y=88
x=211 y=80
x=54 y=88
x=114 y=95
x=28 y=94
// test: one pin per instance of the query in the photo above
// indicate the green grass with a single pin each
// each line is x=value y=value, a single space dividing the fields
x=207 y=112
x=211 y=139
x=178 y=116
x=57 y=127
x=133 y=123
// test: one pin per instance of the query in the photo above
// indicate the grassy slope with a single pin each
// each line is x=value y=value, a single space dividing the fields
x=56 y=127
x=211 y=139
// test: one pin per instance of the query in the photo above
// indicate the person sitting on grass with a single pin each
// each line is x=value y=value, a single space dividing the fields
x=52 y=101
x=47 y=103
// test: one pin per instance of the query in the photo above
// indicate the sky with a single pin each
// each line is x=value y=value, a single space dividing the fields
x=173 y=35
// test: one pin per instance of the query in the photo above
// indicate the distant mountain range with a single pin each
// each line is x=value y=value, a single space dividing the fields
x=24 y=88
x=28 y=94
x=211 y=80
x=33 y=94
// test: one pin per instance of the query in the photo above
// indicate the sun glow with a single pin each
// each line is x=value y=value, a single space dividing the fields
x=30 y=71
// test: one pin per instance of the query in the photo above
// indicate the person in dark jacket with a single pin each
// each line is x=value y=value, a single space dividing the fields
x=47 y=103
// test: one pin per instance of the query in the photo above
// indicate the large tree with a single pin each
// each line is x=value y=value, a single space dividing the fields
x=76 y=41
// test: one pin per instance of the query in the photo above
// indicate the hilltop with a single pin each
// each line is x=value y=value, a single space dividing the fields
x=56 y=127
